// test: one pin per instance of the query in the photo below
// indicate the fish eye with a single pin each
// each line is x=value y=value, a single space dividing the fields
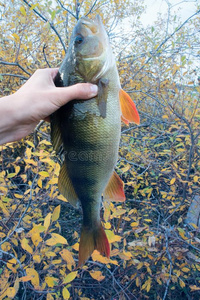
x=78 y=40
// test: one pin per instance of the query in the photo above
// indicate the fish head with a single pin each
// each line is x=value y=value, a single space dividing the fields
x=91 y=50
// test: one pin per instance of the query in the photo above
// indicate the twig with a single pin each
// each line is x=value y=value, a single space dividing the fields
x=22 y=216
x=170 y=260
x=163 y=42
x=14 y=64
x=69 y=11
x=45 y=57
x=11 y=255
x=93 y=5
x=50 y=23
x=14 y=75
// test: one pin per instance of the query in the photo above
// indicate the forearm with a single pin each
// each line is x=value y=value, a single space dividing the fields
x=11 y=129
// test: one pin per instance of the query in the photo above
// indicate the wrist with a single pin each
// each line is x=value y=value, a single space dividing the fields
x=9 y=119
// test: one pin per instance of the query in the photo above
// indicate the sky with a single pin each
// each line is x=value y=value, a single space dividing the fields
x=187 y=8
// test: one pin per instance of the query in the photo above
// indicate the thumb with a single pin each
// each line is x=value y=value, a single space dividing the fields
x=77 y=91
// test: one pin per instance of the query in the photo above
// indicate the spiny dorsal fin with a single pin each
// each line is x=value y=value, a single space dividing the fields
x=114 y=190
x=66 y=188
x=128 y=108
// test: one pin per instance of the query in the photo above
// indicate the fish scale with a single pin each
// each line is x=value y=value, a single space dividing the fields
x=89 y=131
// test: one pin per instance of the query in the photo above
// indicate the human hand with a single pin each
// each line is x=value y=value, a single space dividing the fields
x=36 y=100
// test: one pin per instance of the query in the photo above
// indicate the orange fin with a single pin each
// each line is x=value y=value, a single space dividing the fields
x=128 y=108
x=92 y=239
x=115 y=189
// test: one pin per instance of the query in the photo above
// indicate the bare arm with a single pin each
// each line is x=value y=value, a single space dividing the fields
x=36 y=100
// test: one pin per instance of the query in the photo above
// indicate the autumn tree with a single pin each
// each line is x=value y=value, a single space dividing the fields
x=155 y=249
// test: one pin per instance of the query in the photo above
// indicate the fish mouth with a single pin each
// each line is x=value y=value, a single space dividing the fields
x=90 y=26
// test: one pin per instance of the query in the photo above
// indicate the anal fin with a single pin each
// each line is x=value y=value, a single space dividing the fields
x=66 y=188
x=114 y=190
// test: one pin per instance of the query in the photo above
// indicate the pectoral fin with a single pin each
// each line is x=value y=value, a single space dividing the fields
x=66 y=188
x=128 y=108
x=102 y=96
x=115 y=189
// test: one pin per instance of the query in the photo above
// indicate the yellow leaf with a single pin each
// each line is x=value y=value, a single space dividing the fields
x=76 y=246
x=182 y=284
x=97 y=275
x=36 y=238
x=194 y=288
x=65 y=293
x=37 y=258
x=70 y=277
x=25 y=278
x=118 y=212
x=67 y=256
x=23 y=11
x=134 y=224
x=50 y=297
x=137 y=282
x=195 y=178
x=16 y=285
x=11 y=175
x=35 y=277
x=51 y=281
x=112 y=238
x=11 y=292
x=25 y=245
x=172 y=181
x=47 y=221
x=32 y=7
x=56 y=213
x=140 y=265
x=18 y=196
x=39 y=182
x=148 y=220
x=44 y=174
x=16 y=36
x=56 y=239
x=185 y=270
x=96 y=256
x=62 y=198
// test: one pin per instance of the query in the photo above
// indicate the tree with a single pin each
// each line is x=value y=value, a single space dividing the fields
x=154 y=253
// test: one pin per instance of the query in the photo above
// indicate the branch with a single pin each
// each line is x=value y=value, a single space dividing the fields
x=45 y=57
x=14 y=75
x=14 y=64
x=66 y=9
x=170 y=260
x=22 y=216
x=46 y=21
x=171 y=35
x=93 y=5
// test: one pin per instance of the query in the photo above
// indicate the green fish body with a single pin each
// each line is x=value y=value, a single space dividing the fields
x=89 y=132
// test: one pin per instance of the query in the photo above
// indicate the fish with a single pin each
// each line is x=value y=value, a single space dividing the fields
x=88 y=132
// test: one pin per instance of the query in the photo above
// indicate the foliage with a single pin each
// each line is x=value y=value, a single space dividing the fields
x=155 y=253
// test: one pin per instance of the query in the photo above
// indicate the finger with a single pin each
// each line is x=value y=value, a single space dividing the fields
x=77 y=91
x=47 y=119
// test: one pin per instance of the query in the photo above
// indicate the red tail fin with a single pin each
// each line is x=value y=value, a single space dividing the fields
x=90 y=240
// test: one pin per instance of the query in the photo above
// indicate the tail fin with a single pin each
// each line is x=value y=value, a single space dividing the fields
x=91 y=239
